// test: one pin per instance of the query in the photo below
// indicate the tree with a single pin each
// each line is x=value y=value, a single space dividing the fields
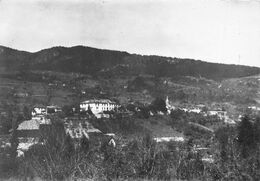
x=89 y=111
x=68 y=147
x=159 y=105
x=222 y=135
x=84 y=144
x=6 y=124
x=26 y=113
x=67 y=110
x=246 y=136
x=144 y=112
x=14 y=139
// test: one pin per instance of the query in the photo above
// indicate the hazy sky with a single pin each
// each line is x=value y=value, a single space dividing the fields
x=226 y=31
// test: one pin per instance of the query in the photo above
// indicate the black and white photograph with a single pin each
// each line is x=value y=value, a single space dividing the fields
x=130 y=90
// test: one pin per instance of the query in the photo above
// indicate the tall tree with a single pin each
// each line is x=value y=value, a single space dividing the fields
x=246 y=136
x=26 y=113
x=159 y=105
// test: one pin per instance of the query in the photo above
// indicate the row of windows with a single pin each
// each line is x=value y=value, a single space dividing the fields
x=97 y=107
x=97 y=104
x=102 y=107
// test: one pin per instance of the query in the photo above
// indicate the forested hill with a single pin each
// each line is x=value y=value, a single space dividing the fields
x=106 y=62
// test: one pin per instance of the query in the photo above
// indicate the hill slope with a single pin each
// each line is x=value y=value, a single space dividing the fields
x=106 y=62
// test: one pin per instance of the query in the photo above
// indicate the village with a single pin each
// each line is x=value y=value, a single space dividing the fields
x=78 y=125
x=109 y=117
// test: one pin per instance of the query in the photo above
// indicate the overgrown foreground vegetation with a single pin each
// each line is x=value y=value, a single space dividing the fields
x=236 y=153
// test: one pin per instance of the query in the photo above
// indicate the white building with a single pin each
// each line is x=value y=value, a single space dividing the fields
x=39 y=110
x=168 y=139
x=195 y=110
x=220 y=114
x=254 y=108
x=98 y=105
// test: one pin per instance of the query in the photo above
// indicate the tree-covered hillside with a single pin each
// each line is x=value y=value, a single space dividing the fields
x=106 y=62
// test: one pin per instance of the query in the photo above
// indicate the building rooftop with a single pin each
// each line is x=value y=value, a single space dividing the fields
x=53 y=107
x=32 y=124
x=98 y=101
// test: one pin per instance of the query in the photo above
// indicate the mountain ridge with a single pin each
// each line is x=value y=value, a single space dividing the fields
x=89 y=60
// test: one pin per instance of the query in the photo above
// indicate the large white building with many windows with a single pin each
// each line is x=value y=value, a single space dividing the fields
x=98 y=105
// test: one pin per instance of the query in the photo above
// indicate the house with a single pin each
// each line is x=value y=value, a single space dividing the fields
x=220 y=114
x=195 y=110
x=229 y=121
x=29 y=133
x=168 y=139
x=39 y=110
x=42 y=119
x=53 y=109
x=30 y=126
x=98 y=105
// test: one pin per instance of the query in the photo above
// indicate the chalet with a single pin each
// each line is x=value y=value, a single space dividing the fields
x=98 y=105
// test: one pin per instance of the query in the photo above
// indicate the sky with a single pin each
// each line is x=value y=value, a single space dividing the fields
x=224 y=31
